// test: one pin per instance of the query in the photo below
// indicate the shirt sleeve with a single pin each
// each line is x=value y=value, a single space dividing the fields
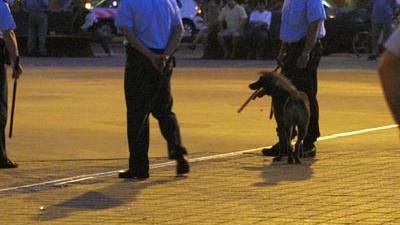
x=124 y=15
x=393 y=43
x=177 y=17
x=315 y=10
x=243 y=14
x=6 y=20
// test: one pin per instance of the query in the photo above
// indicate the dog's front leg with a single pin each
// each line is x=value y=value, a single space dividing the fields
x=282 y=144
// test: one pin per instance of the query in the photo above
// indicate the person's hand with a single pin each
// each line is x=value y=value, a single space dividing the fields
x=158 y=61
x=281 y=56
x=17 y=69
x=303 y=60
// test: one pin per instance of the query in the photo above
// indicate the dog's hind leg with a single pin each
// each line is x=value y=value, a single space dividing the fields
x=288 y=144
x=298 y=149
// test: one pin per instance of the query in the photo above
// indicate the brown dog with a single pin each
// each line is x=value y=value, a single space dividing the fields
x=296 y=112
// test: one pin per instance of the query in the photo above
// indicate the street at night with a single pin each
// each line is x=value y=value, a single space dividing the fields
x=70 y=140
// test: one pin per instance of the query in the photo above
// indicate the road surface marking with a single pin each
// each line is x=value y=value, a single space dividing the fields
x=69 y=180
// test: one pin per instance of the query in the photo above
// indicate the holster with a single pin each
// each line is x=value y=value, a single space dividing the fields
x=4 y=56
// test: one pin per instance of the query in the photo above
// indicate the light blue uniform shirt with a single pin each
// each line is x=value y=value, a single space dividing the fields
x=6 y=19
x=296 y=17
x=151 y=21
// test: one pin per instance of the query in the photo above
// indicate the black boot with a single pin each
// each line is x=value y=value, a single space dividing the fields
x=8 y=164
x=182 y=165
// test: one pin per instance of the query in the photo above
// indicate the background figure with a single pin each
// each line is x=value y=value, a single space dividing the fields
x=235 y=17
x=85 y=22
x=8 y=54
x=211 y=13
x=383 y=12
x=258 y=30
x=301 y=28
x=389 y=71
x=37 y=31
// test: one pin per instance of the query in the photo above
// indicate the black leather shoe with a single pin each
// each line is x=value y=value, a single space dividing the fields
x=129 y=174
x=8 y=164
x=273 y=151
x=182 y=166
x=309 y=151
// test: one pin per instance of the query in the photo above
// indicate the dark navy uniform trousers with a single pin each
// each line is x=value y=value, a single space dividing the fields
x=305 y=80
x=148 y=91
x=3 y=103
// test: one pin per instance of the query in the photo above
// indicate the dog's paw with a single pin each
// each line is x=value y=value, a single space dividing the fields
x=290 y=161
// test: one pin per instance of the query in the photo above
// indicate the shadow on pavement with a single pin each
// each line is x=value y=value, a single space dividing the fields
x=108 y=197
x=275 y=173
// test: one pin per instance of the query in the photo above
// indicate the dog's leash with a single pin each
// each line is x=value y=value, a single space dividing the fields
x=256 y=94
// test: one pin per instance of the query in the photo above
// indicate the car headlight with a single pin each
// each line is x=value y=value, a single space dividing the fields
x=88 y=5
x=198 y=11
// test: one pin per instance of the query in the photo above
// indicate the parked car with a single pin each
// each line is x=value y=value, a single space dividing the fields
x=103 y=14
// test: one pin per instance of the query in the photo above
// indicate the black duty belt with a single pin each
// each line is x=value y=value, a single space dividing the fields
x=301 y=42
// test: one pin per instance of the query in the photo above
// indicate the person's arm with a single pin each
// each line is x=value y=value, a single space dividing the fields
x=174 y=40
x=389 y=74
x=243 y=19
x=311 y=39
x=12 y=48
x=221 y=19
x=282 y=53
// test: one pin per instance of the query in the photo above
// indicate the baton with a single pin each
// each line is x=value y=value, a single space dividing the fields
x=252 y=97
x=13 y=108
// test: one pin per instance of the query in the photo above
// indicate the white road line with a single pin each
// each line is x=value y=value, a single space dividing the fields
x=72 y=181
x=79 y=178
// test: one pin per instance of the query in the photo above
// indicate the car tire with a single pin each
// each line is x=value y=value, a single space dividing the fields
x=361 y=43
x=189 y=30
x=105 y=30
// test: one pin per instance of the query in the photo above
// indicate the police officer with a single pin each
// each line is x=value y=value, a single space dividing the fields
x=153 y=29
x=301 y=28
x=389 y=70
x=8 y=43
